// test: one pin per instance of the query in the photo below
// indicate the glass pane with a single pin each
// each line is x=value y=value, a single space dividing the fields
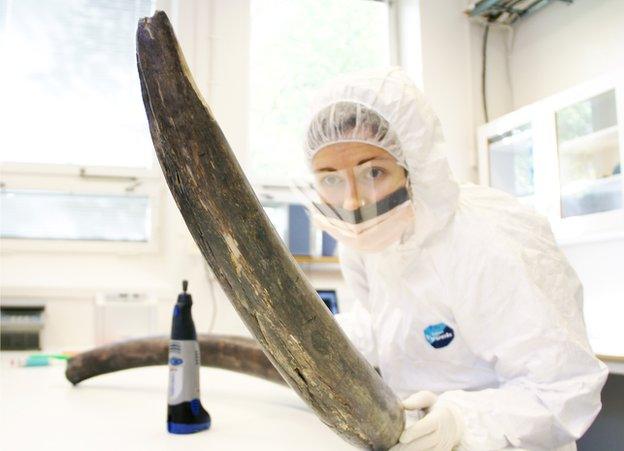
x=511 y=161
x=295 y=46
x=63 y=216
x=589 y=156
x=69 y=85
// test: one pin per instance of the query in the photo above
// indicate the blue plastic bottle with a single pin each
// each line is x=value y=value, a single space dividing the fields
x=185 y=413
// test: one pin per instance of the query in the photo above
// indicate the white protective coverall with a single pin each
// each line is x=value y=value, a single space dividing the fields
x=476 y=303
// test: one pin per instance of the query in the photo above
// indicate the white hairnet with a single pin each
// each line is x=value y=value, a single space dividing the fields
x=376 y=107
x=349 y=121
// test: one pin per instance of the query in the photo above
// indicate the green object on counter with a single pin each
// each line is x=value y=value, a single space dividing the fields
x=43 y=359
x=53 y=356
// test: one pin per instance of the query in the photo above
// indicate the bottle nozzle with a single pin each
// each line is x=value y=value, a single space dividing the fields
x=184 y=285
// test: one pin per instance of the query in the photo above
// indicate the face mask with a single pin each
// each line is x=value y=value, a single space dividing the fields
x=367 y=212
x=373 y=235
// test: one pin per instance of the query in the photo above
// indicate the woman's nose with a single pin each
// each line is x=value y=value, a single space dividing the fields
x=351 y=200
x=351 y=203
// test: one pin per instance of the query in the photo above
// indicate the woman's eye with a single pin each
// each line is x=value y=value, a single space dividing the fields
x=331 y=180
x=373 y=173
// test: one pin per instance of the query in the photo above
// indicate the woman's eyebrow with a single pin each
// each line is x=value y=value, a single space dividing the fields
x=377 y=157
x=365 y=160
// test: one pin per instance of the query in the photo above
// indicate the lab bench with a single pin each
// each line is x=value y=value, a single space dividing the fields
x=127 y=410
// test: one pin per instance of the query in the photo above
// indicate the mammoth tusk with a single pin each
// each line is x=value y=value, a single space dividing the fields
x=240 y=354
x=254 y=268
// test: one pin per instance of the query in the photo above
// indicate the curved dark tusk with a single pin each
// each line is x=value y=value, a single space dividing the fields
x=254 y=268
x=240 y=354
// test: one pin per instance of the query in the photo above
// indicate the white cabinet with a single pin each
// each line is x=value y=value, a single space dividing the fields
x=563 y=155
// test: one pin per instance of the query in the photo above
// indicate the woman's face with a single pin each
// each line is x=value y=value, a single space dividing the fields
x=352 y=174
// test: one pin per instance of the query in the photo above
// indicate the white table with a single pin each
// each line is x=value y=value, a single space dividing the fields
x=41 y=410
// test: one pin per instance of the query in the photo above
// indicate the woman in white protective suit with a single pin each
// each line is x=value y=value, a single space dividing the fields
x=463 y=300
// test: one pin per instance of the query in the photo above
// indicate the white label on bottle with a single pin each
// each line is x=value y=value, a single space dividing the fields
x=183 y=371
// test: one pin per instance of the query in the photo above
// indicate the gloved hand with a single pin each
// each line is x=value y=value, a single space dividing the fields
x=441 y=429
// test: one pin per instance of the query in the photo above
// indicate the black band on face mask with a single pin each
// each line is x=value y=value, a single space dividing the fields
x=366 y=212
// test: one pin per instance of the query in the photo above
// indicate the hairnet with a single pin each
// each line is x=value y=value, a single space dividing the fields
x=348 y=121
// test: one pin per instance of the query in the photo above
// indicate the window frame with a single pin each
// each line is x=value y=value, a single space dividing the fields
x=96 y=180
x=90 y=180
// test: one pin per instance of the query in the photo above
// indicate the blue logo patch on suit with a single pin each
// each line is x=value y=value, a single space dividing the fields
x=439 y=335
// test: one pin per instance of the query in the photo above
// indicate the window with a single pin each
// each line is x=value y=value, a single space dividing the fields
x=589 y=156
x=77 y=158
x=562 y=155
x=295 y=47
x=31 y=214
x=69 y=85
x=511 y=161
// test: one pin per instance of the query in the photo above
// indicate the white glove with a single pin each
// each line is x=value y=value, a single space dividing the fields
x=441 y=429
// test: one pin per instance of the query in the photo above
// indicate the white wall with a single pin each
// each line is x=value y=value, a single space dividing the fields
x=435 y=51
x=600 y=266
x=565 y=44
